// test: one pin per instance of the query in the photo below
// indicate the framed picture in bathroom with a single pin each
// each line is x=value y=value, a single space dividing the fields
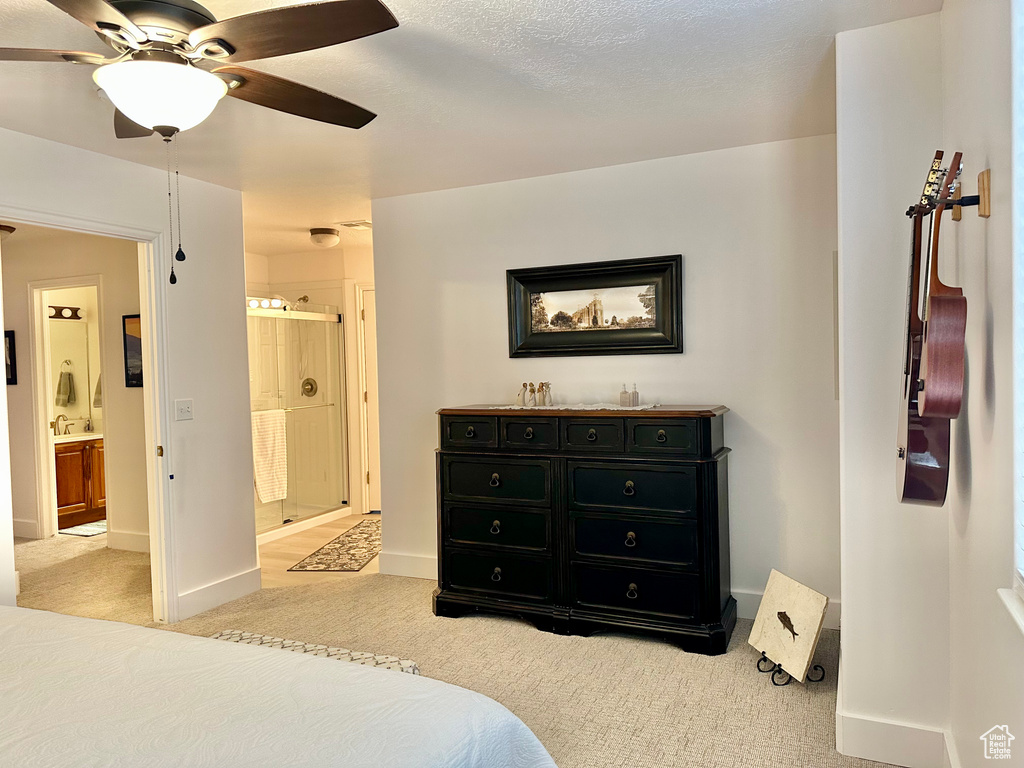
x=131 y=327
x=10 y=357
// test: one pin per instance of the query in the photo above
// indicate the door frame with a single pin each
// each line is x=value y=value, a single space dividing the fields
x=42 y=380
x=154 y=249
x=364 y=439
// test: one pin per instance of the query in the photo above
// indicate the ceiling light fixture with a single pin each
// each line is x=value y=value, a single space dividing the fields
x=6 y=230
x=324 y=237
x=161 y=91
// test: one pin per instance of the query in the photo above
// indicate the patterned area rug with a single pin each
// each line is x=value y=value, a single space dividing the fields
x=349 y=552
x=86 y=529
x=340 y=654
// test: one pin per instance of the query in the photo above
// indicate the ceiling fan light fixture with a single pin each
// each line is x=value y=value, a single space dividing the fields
x=161 y=93
x=325 y=237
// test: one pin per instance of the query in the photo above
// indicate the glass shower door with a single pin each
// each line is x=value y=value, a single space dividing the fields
x=314 y=401
x=295 y=364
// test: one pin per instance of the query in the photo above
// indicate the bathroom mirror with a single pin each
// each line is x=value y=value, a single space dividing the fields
x=75 y=382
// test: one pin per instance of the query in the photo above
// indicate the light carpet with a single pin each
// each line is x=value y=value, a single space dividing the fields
x=81 y=577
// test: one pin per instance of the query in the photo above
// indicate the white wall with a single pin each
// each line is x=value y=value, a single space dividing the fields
x=895 y=646
x=211 y=497
x=756 y=227
x=931 y=659
x=64 y=255
x=986 y=647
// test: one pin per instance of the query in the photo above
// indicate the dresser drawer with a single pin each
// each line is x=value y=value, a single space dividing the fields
x=522 y=528
x=677 y=437
x=635 y=589
x=592 y=434
x=655 y=541
x=512 y=575
x=530 y=434
x=653 y=487
x=469 y=431
x=527 y=481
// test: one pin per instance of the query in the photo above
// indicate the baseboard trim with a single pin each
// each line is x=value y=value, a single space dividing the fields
x=220 y=592
x=26 y=529
x=404 y=564
x=888 y=741
x=128 y=540
x=302 y=525
x=748 y=601
x=952 y=756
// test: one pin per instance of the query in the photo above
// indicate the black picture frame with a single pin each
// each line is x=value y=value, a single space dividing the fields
x=10 y=357
x=665 y=273
x=131 y=332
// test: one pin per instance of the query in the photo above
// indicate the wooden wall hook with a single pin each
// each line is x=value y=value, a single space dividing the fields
x=984 y=199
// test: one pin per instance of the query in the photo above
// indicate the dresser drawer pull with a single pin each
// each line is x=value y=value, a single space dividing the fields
x=631 y=539
x=470 y=432
x=630 y=489
x=631 y=593
x=496 y=527
x=662 y=437
x=592 y=435
x=496 y=576
x=495 y=480
x=528 y=434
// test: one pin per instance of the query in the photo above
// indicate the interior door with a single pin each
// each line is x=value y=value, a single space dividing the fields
x=370 y=398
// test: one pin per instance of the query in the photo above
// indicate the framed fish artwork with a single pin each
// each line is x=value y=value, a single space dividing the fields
x=788 y=624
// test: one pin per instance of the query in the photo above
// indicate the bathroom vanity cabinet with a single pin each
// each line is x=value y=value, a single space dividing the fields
x=81 y=484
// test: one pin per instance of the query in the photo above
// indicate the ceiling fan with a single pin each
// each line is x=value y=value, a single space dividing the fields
x=173 y=61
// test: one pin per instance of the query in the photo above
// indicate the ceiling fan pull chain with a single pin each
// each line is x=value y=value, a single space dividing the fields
x=179 y=254
x=170 y=208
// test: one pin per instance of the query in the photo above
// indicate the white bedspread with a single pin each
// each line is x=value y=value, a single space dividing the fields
x=81 y=692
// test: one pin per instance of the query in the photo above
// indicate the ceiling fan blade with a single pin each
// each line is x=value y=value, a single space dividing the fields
x=125 y=128
x=101 y=16
x=295 y=28
x=60 y=57
x=295 y=99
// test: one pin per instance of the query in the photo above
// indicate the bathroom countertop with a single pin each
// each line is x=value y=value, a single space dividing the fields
x=78 y=436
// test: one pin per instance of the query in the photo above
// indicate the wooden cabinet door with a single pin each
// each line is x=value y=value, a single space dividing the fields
x=97 y=476
x=70 y=460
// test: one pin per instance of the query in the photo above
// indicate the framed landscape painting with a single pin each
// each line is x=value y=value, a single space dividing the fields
x=628 y=307
x=131 y=326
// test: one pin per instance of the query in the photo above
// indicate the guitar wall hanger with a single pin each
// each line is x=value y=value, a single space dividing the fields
x=983 y=200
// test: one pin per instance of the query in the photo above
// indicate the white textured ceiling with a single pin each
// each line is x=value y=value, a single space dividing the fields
x=472 y=91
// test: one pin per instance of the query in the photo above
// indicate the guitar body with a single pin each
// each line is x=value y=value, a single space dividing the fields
x=932 y=360
x=922 y=460
x=942 y=359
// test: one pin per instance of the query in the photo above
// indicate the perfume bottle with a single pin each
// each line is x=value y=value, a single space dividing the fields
x=624 y=397
x=634 y=396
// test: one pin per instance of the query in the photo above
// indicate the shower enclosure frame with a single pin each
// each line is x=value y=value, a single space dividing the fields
x=341 y=403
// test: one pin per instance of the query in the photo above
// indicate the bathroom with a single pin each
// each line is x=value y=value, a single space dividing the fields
x=312 y=376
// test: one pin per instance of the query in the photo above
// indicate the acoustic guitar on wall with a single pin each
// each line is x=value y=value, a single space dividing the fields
x=933 y=353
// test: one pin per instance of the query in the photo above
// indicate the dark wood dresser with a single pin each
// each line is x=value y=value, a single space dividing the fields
x=583 y=521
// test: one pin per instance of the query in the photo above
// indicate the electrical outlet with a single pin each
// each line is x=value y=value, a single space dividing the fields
x=182 y=410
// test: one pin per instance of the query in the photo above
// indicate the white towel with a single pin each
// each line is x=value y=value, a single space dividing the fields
x=270 y=454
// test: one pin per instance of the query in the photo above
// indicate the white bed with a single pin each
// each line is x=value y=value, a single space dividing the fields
x=81 y=692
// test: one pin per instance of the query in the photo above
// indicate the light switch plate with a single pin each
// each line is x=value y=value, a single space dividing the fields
x=182 y=410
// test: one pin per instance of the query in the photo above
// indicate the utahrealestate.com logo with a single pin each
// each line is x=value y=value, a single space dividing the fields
x=997 y=742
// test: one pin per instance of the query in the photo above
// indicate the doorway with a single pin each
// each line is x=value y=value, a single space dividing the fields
x=82 y=490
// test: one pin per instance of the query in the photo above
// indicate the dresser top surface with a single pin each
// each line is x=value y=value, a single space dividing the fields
x=658 y=411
